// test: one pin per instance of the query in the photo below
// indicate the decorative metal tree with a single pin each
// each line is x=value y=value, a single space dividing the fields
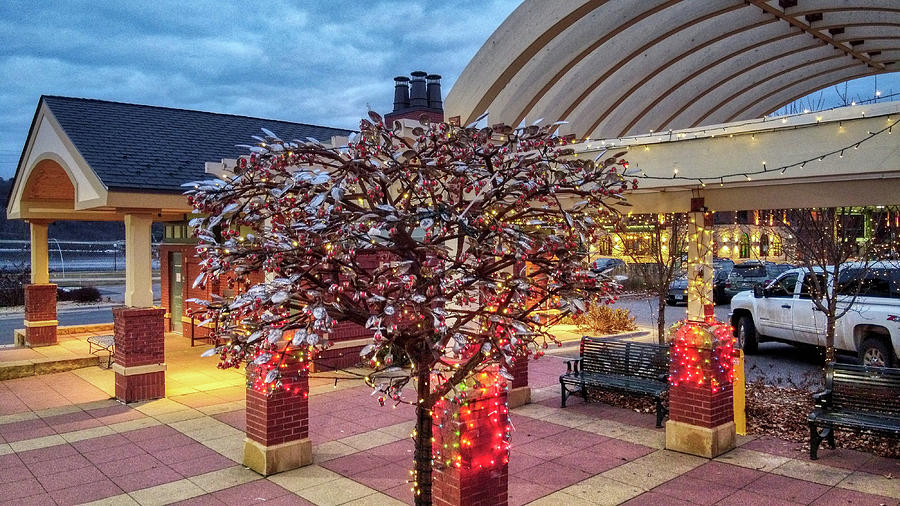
x=451 y=214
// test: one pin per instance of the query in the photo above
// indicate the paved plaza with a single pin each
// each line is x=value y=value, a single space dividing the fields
x=63 y=440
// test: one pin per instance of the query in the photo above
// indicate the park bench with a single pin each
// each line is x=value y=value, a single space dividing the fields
x=639 y=368
x=855 y=397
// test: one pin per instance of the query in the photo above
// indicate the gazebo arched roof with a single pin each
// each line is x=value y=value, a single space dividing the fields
x=615 y=68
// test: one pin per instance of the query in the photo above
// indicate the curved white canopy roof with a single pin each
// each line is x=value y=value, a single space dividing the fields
x=614 y=68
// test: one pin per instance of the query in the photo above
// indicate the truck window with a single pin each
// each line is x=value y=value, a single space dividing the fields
x=867 y=283
x=808 y=288
x=784 y=287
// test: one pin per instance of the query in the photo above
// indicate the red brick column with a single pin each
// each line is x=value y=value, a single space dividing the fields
x=140 y=363
x=40 y=315
x=278 y=423
x=520 y=392
x=477 y=472
x=701 y=415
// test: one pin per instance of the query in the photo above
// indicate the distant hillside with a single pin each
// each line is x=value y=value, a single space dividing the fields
x=65 y=230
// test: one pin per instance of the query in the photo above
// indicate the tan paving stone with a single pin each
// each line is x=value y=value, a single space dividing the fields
x=5 y=448
x=81 y=435
x=138 y=423
x=105 y=403
x=36 y=443
x=224 y=478
x=17 y=417
x=872 y=484
x=401 y=430
x=178 y=416
x=331 y=450
x=569 y=419
x=535 y=411
x=167 y=493
x=369 y=439
x=229 y=446
x=158 y=406
x=653 y=469
x=742 y=440
x=811 y=471
x=561 y=498
x=304 y=477
x=59 y=410
x=339 y=491
x=752 y=459
x=116 y=500
x=225 y=407
x=601 y=490
x=608 y=428
x=642 y=436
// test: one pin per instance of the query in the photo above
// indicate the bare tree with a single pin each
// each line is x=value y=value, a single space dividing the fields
x=453 y=215
x=658 y=259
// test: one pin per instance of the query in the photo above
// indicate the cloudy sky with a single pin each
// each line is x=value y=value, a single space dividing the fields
x=322 y=62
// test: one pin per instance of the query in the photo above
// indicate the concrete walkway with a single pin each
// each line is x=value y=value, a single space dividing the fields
x=64 y=441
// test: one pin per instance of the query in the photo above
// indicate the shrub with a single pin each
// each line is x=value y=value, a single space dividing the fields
x=80 y=294
x=12 y=286
x=602 y=319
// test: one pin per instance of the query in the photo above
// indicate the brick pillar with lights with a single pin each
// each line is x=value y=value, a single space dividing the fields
x=520 y=392
x=278 y=422
x=701 y=415
x=140 y=363
x=470 y=447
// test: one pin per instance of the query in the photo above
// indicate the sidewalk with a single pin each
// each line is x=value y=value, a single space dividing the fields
x=63 y=441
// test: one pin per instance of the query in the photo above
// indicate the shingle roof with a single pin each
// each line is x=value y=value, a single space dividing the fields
x=149 y=148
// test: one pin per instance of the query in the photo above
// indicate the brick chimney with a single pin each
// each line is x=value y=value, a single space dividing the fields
x=417 y=96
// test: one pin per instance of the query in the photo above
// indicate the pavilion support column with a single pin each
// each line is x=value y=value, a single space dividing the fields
x=701 y=417
x=278 y=421
x=40 y=295
x=519 y=391
x=140 y=362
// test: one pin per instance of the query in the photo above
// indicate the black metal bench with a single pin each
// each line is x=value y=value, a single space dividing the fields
x=640 y=368
x=97 y=344
x=855 y=397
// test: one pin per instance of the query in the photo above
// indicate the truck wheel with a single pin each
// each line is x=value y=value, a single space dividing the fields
x=670 y=301
x=875 y=353
x=746 y=335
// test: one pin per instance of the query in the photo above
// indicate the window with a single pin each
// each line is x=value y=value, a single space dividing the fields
x=809 y=289
x=775 y=248
x=604 y=245
x=744 y=249
x=784 y=287
x=872 y=283
x=764 y=245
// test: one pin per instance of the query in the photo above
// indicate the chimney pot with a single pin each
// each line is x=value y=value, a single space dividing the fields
x=434 y=92
x=401 y=93
x=418 y=95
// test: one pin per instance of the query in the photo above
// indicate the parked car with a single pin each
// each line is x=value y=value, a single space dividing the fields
x=678 y=287
x=746 y=275
x=609 y=266
x=784 y=311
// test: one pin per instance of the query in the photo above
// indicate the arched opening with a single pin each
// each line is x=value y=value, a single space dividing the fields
x=776 y=246
x=744 y=246
x=49 y=181
x=764 y=245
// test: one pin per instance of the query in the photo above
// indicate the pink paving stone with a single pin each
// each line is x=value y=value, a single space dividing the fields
x=553 y=475
x=35 y=500
x=289 y=500
x=844 y=458
x=129 y=465
x=401 y=493
x=577 y=438
x=720 y=472
x=252 y=492
x=20 y=488
x=102 y=442
x=384 y=477
x=590 y=460
x=202 y=465
x=50 y=452
x=330 y=433
x=14 y=472
x=882 y=466
x=182 y=453
x=59 y=465
x=119 y=452
x=150 y=433
x=201 y=500
x=146 y=478
x=66 y=479
x=86 y=492
x=788 y=489
x=655 y=499
x=747 y=498
x=158 y=444
x=237 y=419
x=622 y=449
x=34 y=423
x=524 y=491
x=521 y=461
x=837 y=496
x=695 y=490
x=777 y=446
x=545 y=448
x=538 y=428
x=12 y=437
x=398 y=451
x=354 y=464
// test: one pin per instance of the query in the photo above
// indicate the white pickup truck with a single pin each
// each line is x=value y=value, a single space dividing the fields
x=784 y=311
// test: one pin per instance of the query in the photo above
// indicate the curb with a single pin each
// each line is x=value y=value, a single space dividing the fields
x=35 y=367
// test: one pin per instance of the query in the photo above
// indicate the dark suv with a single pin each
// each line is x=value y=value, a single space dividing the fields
x=678 y=287
x=745 y=276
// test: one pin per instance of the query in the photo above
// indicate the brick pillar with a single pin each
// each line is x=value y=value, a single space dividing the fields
x=701 y=414
x=278 y=423
x=140 y=363
x=520 y=392
x=40 y=314
x=470 y=449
